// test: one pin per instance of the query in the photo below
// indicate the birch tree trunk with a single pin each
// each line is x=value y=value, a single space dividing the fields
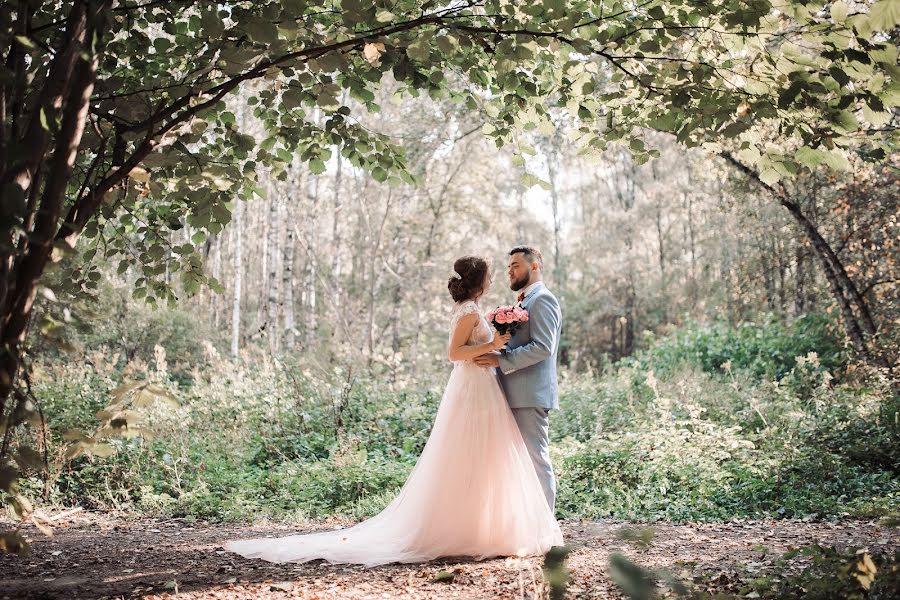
x=312 y=266
x=272 y=329
x=287 y=279
x=238 y=278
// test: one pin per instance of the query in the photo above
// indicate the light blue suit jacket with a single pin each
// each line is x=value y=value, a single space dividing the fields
x=528 y=365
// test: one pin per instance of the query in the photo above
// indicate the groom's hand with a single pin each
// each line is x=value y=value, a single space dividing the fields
x=488 y=360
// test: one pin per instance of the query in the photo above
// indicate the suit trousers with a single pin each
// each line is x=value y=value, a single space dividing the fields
x=534 y=423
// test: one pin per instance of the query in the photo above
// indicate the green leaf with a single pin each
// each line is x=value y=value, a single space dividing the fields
x=770 y=176
x=877 y=118
x=161 y=44
x=839 y=12
x=846 y=121
x=292 y=98
x=811 y=157
x=262 y=32
x=327 y=101
x=447 y=43
x=530 y=180
x=25 y=41
x=211 y=23
x=885 y=15
x=317 y=166
x=786 y=97
x=837 y=160
x=384 y=16
x=420 y=50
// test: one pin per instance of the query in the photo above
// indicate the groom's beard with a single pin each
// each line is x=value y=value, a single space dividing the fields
x=518 y=284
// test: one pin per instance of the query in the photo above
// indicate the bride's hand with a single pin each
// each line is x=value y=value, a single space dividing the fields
x=500 y=340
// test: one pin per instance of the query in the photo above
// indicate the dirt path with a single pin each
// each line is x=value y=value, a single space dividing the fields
x=95 y=556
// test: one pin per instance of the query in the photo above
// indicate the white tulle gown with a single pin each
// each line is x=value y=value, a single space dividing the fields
x=472 y=493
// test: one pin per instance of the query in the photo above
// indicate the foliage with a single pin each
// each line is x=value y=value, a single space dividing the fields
x=694 y=446
x=810 y=573
x=278 y=440
x=165 y=150
x=768 y=348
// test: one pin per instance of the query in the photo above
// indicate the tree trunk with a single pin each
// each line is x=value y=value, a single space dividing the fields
x=273 y=332
x=312 y=266
x=557 y=220
x=258 y=245
x=217 y=275
x=628 y=334
x=782 y=270
x=69 y=87
x=692 y=287
x=767 y=247
x=287 y=281
x=843 y=290
x=238 y=267
x=337 y=212
x=800 y=279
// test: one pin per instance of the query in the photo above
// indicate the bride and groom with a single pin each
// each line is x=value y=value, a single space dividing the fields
x=483 y=485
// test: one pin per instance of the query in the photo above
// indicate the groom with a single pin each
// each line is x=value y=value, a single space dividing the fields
x=528 y=365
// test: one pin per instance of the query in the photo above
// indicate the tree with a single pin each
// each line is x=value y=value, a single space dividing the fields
x=856 y=310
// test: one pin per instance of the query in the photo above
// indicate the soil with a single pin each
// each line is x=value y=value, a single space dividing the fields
x=104 y=556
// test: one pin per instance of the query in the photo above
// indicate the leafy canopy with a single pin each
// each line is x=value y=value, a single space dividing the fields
x=165 y=148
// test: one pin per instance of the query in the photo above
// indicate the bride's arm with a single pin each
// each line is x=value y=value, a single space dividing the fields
x=457 y=350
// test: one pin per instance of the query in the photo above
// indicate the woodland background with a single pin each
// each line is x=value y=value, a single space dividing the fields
x=252 y=324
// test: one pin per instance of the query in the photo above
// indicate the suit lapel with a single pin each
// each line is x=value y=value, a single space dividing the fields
x=531 y=295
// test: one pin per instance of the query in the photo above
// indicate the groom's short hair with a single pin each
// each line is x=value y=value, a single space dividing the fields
x=531 y=253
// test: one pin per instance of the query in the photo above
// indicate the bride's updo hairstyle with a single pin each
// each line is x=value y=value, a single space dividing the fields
x=467 y=282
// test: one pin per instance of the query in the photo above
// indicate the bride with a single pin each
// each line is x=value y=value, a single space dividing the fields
x=472 y=493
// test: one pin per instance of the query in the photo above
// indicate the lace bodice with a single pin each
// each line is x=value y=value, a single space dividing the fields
x=481 y=333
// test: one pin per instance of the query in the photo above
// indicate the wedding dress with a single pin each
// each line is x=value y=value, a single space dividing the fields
x=472 y=493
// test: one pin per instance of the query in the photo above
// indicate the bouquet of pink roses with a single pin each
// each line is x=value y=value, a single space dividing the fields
x=506 y=319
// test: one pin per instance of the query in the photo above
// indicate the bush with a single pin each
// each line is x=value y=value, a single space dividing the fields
x=665 y=438
x=767 y=349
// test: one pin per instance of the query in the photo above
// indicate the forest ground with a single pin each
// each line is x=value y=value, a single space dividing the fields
x=102 y=556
